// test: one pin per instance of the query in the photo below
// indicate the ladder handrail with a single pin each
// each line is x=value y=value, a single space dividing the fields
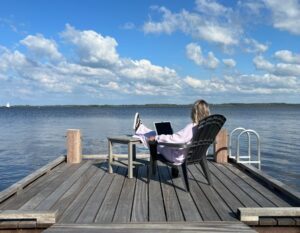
x=237 y=157
x=249 y=131
x=230 y=142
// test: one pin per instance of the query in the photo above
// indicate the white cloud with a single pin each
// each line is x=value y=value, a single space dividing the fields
x=285 y=15
x=269 y=82
x=253 y=6
x=229 y=62
x=287 y=69
x=266 y=84
x=19 y=69
x=206 y=86
x=111 y=86
x=195 y=83
x=113 y=75
x=16 y=60
x=52 y=82
x=280 y=69
x=168 y=25
x=262 y=64
x=253 y=46
x=196 y=25
x=92 y=48
x=144 y=78
x=96 y=51
x=145 y=70
x=194 y=53
x=42 y=48
x=210 y=7
x=215 y=33
x=212 y=62
x=287 y=56
x=90 y=74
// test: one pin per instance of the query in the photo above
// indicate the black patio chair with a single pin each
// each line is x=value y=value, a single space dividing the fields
x=204 y=135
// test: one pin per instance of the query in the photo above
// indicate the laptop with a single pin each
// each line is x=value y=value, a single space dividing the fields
x=163 y=128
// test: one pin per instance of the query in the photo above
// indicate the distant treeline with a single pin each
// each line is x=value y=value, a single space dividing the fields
x=156 y=105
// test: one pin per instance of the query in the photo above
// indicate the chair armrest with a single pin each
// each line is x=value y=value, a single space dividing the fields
x=174 y=145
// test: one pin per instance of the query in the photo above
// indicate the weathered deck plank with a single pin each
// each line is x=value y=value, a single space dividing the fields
x=140 y=202
x=49 y=201
x=87 y=194
x=16 y=187
x=242 y=196
x=156 y=203
x=124 y=206
x=187 y=204
x=172 y=206
x=248 y=190
x=109 y=204
x=253 y=214
x=73 y=211
x=271 y=196
x=91 y=208
x=224 y=212
x=17 y=201
x=228 y=197
x=264 y=196
x=181 y=227
x=203 y=205
x=62 y=203
x=253 y=193
x=292 y=195
x=49 y=187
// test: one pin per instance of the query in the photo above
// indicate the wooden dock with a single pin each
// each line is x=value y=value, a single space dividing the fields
x=84 y=197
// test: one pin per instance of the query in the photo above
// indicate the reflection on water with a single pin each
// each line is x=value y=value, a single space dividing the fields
x=33 y=136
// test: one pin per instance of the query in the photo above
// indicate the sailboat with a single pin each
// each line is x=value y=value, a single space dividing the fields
x=8 y=105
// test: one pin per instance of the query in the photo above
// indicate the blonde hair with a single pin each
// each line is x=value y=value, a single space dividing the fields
x=200 y=110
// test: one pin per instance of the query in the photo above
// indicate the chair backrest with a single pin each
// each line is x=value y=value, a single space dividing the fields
x=204 y=134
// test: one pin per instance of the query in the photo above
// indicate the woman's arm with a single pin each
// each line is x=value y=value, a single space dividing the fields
x=183 y=136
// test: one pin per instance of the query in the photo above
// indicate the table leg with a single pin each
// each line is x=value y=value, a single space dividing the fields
x=133 y=152
x=110 y=157
x=130 y=160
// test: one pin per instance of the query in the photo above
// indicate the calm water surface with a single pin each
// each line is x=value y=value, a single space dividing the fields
x=30 y=137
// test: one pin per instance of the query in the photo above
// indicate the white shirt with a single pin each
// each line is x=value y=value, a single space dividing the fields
x=173 y=155
x=176 y=156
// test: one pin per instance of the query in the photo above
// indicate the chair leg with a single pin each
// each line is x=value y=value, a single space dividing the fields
x=149 y=171
x=206 y=171
x=151 y=168
x=153 y=156
x=175 y=172
x=154 y=166
x=184 y=175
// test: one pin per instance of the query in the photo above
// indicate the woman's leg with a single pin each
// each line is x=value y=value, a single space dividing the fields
x=143 y=133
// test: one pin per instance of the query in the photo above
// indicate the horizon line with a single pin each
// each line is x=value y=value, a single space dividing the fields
x=143 y=105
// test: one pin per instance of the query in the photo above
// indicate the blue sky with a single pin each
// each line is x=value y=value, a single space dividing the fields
x=137 y=52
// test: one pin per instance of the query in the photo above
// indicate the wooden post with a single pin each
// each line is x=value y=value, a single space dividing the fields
x=221 y=150
x=74 y=150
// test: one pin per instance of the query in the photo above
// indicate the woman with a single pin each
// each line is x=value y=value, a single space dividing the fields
x=199 y=111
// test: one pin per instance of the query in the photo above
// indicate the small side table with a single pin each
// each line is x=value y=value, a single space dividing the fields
x=131 y=142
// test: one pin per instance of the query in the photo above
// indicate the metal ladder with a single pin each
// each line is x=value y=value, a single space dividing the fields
x=245 y=158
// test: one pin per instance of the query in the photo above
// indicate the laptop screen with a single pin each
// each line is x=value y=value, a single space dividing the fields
x=163 y=128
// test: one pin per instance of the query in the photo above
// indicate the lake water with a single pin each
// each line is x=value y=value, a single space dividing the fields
x=30 y=137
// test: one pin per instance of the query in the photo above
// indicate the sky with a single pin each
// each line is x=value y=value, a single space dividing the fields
x=55 y=52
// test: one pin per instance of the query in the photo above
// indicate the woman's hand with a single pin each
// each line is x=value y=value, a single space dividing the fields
x=152 y=138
